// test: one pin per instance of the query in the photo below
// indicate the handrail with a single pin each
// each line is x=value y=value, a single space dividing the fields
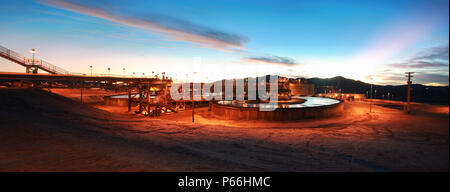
x=7 y=53
x=27 y=62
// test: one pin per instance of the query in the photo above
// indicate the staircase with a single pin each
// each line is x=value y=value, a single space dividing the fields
x=28 y=63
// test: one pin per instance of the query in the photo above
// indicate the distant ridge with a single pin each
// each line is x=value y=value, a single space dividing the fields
x=420 y=93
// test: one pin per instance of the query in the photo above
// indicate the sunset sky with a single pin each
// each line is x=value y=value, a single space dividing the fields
x=373 y=41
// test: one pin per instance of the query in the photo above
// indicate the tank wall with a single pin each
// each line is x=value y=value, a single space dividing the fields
x=284 y=114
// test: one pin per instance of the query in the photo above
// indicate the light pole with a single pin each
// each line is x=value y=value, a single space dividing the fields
x=81 y=92
x=109 y=70
x=193 y=104
x=123 y=71
x=371 y=97
x=33 y=51
x=192 y=98
x=370 y=80
x=90 y=66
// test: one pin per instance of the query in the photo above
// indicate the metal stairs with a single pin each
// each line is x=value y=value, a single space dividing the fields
x=31 y=63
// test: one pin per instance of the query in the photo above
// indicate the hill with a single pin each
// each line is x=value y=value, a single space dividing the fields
x=419 y=93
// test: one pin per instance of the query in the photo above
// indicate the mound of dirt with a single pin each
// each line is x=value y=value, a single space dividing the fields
x=43 y=131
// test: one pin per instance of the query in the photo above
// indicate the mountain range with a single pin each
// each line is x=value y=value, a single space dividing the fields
x=419 y=93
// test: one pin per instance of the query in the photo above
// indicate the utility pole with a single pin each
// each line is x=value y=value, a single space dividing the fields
x=408 y=107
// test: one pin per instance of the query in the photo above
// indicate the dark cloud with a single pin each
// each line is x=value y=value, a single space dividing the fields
x=435 y=53
x=286 y=61
x=430 y=67
x=425 y=78
x=419 y=64
x=430 y=58
x=171 y=27
x=192 y=28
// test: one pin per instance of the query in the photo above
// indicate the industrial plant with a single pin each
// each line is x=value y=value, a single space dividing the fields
x=224 y=86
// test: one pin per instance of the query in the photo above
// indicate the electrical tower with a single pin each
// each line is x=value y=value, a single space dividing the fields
x=408 y=107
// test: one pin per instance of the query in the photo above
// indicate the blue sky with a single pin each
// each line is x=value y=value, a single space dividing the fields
x=373 y=41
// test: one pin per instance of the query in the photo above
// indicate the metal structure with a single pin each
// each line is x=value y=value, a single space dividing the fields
x=152 y=92
x=31 y=65
x=151 y=95
x=73 y=81
x=152 y=98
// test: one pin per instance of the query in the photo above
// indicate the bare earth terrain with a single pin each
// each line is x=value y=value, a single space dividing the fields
x=42 y=131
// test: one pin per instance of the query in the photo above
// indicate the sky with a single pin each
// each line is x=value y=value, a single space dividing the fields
x=204 y=40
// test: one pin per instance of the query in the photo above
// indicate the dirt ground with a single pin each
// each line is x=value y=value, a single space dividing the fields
x=41 y=131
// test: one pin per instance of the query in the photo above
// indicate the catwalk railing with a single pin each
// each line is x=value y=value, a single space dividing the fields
x=27 y=62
